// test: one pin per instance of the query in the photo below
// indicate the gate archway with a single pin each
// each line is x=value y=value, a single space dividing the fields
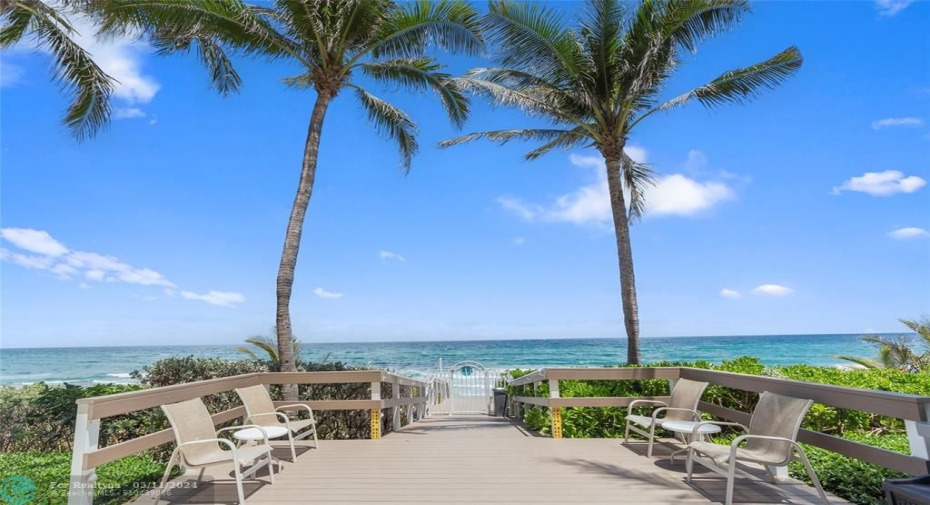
x=470 y=385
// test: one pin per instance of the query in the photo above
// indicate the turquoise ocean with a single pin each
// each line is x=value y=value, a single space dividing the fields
x=90 y=365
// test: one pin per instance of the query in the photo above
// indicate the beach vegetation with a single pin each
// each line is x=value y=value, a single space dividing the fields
x=332 y=43
x=854 y=480
x=596 y=81
x=901 y=353
x=49 y=26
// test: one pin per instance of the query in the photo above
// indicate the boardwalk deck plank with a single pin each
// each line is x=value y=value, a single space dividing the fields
x=478 y=459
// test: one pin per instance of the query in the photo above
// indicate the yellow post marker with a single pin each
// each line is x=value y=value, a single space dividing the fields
x=557 y=422
x=376 y=424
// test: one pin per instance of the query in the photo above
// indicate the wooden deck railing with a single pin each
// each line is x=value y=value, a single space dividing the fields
x=913 y=410
x=87 y=456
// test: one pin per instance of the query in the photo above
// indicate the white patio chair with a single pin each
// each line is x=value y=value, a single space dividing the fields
x=261 y=410
x=770 y=441
x=682 y=406
x=198 y=445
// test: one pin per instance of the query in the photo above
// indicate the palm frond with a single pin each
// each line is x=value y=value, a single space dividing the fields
x=73 y=67
x=409 y=29
x=421 y=74
x=602 y=37
x=568 y=139
x=636 y=177
x=392 y=122
x=864 y=362
x=742 y=84
x=534 y=101
x=688 y=22
x=504 y=136
x=531 y=38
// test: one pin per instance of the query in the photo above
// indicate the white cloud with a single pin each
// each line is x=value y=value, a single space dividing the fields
x=388 y=255
x=221 y=298
x=322 y=293
x=897 y=121
x=10 y=74
x=696 y=160
x=120 y=57
x=729 y=293
x=908 y=233
x=678 y=195
x=34 y=241
x=127 y=113
x=885 y=183
x=772 y=290
x=519 y=240
x=47 y=254
x=673 y=194
x=889 y=8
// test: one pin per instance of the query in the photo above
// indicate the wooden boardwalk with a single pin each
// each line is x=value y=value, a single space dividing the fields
x=479 y=459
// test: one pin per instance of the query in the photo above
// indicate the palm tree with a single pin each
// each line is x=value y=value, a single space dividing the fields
x=47 y=26
x=899 y=353
x=594 y=83
x=332 y=41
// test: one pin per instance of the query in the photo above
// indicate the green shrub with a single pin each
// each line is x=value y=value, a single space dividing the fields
x=49 y=473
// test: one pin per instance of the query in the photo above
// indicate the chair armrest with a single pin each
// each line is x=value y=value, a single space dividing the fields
x=243 y=427
x=653 y=402
x=697 y=426
x=742 y=438
x=281 y=417
x=659 y=410
x=296 y=406
x=222 y=441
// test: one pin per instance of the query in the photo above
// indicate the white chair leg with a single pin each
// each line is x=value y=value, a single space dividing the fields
x=626 y=434
x=812 y=475
x=731 y=478
x=270 y=466
x=316 y=442
x=689 y=464
x=652 y=435
x=164 y=479
x=239 y=483
x=290 y=438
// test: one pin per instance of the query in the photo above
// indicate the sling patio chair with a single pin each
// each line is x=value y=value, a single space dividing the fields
x=770 y=441
x=198 y=445
x=682 y=406
x=261 y=410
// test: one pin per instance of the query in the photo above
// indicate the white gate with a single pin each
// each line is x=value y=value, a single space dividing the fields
x=469 y=389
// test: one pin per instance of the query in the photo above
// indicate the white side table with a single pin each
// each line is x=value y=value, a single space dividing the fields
x=684 y=431
x=256 y=435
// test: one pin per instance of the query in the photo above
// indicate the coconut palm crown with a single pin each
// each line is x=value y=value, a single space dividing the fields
x=596 y=81
x=900 y=353
x=333 y=42
x=47 y=26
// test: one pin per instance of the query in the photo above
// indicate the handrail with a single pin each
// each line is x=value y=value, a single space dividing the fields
x=86 y=456
x=914 y=410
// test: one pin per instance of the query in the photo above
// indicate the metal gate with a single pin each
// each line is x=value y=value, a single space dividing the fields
x=468 y=386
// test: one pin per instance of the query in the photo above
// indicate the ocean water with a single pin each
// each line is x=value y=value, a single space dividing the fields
x=90 y=365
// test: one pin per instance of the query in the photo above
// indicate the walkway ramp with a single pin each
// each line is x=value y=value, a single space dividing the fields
x=480 y=459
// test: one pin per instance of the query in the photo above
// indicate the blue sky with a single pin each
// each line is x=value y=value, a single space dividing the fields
x=805 y=211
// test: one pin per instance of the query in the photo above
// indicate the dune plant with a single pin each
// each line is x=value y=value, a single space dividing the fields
x=332 y=42
x=596 y=81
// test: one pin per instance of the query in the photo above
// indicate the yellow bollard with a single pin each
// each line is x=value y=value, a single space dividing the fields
x=376 y=424
x=557 y=422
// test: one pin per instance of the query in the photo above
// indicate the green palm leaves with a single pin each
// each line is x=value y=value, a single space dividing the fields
x=73 y=68
x=900 y=353
x=594 y=82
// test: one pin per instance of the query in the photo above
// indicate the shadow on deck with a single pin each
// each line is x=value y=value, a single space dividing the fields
x=477 y=459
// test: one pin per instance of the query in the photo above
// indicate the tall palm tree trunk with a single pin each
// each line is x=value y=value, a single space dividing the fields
x=295 y=227
x=625 y=256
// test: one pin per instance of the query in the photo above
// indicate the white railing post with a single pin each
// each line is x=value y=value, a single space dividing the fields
x=395 y=412
x=918 y=434
x=86 y=437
